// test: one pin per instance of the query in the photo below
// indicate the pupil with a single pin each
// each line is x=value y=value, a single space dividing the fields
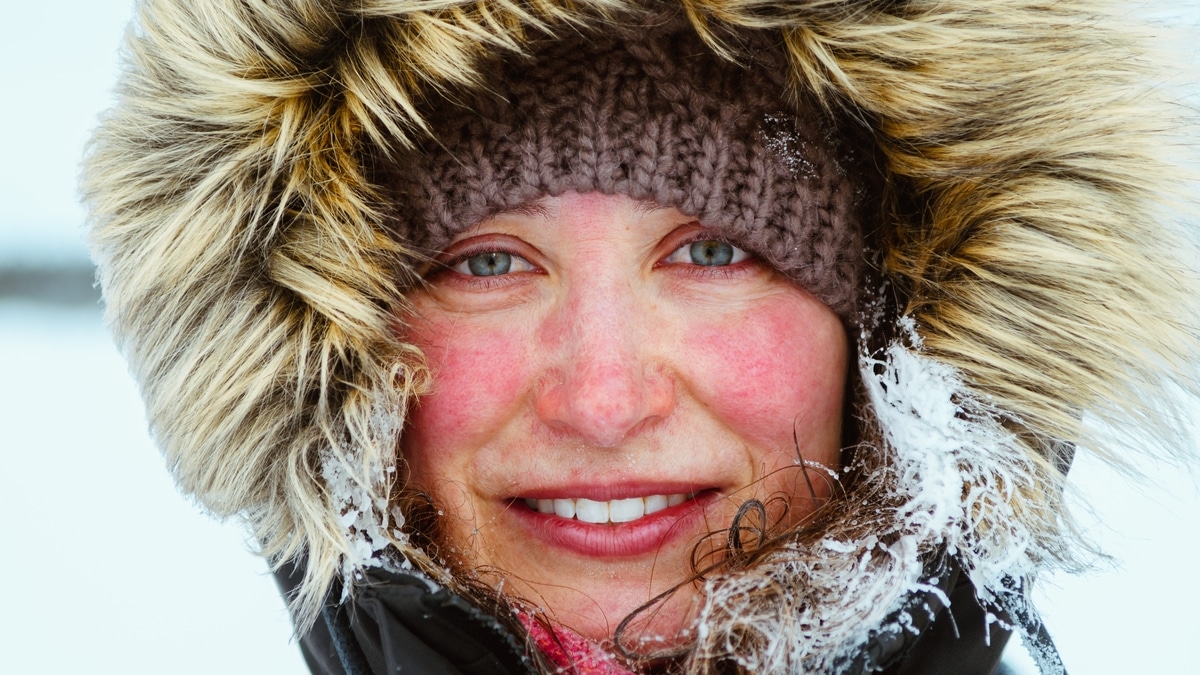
x=489 y=264
x=711 y=253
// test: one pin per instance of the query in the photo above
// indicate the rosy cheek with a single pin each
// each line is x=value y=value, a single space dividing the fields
x=778 y=366
x=476 y=380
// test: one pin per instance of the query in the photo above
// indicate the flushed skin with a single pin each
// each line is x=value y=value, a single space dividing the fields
x=251 y=276
x=604 y=366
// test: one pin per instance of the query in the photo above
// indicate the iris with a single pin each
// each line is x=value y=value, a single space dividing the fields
x=490 y=264
x=711 y=253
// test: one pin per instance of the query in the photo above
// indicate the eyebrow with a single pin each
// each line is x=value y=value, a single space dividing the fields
x=531 y=209
x=646 y=206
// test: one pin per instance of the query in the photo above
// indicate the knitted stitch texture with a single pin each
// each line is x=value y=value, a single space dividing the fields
x=662 y=120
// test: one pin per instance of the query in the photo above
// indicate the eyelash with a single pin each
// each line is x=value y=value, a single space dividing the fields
x=707 y=272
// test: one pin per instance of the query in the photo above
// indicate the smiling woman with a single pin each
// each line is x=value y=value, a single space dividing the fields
x=522 y=335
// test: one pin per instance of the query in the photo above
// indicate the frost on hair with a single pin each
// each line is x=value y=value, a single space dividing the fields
x=373 y=527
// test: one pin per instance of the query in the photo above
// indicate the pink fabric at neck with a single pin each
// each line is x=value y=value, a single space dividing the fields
x=571 y=652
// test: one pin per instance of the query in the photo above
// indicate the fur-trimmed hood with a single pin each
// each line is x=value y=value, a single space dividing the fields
x=255 y=283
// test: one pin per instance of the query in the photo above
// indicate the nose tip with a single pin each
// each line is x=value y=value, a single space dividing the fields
x=605 y=403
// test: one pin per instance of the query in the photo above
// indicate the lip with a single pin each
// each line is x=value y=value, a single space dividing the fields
x=648 y=534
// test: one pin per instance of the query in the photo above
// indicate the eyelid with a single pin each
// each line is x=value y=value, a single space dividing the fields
x=475 y=246
x=693 y=232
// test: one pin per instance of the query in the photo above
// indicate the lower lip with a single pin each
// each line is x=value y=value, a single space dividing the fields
x=615 y=540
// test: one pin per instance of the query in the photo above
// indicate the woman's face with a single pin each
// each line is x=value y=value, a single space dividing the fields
x=612 y=381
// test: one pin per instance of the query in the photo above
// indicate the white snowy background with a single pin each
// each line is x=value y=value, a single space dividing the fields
x=110 y=570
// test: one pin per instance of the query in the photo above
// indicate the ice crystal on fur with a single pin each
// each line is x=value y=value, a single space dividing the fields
x=371 y=525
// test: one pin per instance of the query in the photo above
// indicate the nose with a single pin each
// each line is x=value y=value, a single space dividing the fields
x=605 y=382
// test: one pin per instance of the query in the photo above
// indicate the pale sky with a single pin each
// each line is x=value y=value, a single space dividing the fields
x=58 y=62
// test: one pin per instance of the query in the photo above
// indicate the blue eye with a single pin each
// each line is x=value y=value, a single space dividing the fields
x=708 y=253
x=491 y=264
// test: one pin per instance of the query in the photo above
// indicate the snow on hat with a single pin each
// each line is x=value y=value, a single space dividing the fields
x=660 y=119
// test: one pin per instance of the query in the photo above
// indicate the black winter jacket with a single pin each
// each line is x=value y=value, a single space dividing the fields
x=399 y=623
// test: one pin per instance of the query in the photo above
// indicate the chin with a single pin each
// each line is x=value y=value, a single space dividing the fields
x=612 y=613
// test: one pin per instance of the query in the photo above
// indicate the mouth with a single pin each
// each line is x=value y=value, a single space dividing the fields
x=617 y=528
x=613 y=511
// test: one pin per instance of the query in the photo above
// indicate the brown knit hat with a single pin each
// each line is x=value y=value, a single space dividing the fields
x=659 y=118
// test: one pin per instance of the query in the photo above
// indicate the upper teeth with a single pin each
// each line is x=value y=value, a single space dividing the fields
x=615 y=511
